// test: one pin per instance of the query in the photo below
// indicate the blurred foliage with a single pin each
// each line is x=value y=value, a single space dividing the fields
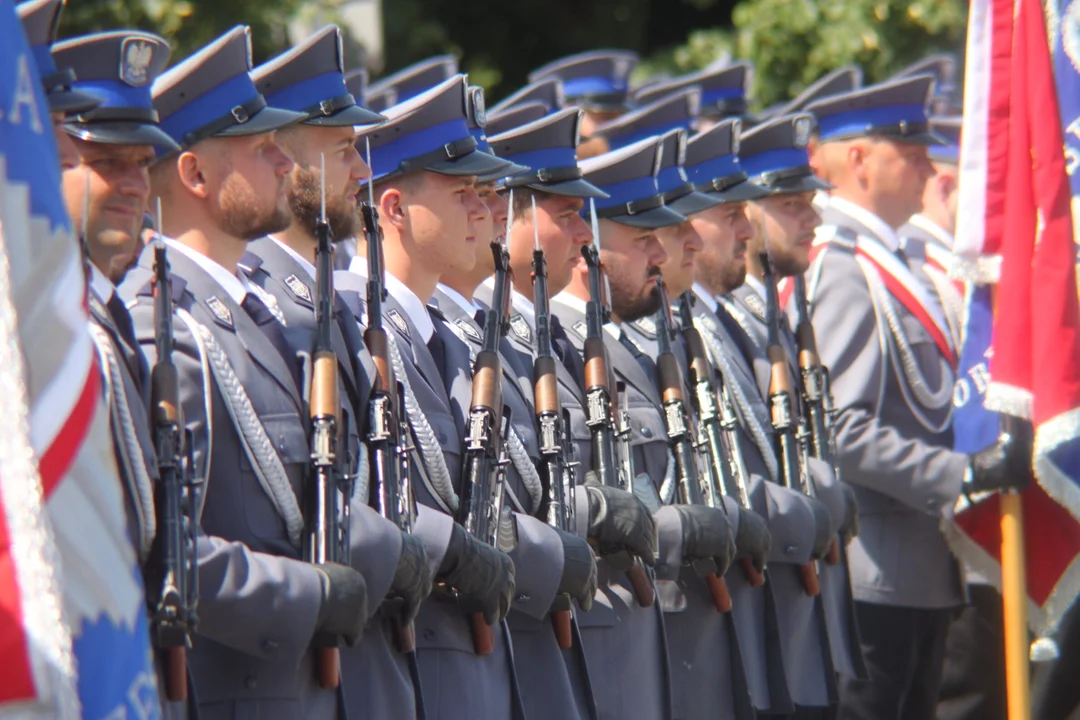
x=790 y=42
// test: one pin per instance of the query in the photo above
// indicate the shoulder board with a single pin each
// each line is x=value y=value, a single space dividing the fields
x=250 y=262
x=520 y=327
x=646 y=326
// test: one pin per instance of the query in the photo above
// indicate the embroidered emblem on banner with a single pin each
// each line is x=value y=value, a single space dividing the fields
x=399 y=322
x=521 y=328
x=221 y=310
x=299 y=288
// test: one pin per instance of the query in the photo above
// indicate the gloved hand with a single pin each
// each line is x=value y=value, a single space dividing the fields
x=482 y=575
x=344 y=602
x=619 y=521
x=1004 y=465
x=579 y=570
x=412 y=579
x=753 y=540
x=849 y=529
x=822 y=528
x=706 y=535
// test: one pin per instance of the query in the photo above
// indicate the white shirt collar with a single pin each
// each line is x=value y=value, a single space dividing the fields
x=469 y=306
x=412 y=305
x=576 y=303
x=524 y=306
x=101 y=285
x=705 y=296
x=232 y=283
x=756 y=285
x=873 y=223
x=300 y=259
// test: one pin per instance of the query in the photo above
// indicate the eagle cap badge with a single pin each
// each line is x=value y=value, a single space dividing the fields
x=136 y=55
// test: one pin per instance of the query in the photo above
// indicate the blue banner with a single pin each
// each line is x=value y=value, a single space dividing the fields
x=975 y=427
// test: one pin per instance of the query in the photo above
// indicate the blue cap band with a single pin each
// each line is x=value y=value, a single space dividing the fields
x=547 y=158
x=670 y=178
x=711 y=97
x=117 y=94
x=859 y=122
x=718 y=167
x=390 y=156
x=305 y=95
x=774 y=160
x=627 y=191
x=596 y=85
x=213 y=105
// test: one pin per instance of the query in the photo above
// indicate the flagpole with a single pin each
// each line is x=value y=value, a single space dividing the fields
x=1014 y=606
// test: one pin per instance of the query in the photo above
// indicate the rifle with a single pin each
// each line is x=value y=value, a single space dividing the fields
x=695 y=487
x=601 y=397
x=556 y=449
x=715 y=423
x=174 y=600
x=485 y=458
x=322 y=532
x=815 y=392
x=782 y=410
x=388 y=435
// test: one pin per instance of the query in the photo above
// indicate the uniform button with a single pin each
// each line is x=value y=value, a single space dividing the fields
x=646 y=432
x=790 y=550
x=428 y=634
x=251 y=682
x=522 y=598
x=269 y=646
x=442 y=437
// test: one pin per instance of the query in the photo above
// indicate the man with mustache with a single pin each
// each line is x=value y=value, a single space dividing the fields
x=424 y=170
x=774 y=156
x=309 y=79
x=883 y=335
x=552 y=683
x=261 y=604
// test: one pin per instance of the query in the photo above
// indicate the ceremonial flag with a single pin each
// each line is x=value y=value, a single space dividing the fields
x=1034 y=356
x=73 y=626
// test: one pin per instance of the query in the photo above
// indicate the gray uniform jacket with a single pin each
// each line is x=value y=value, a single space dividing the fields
x=627 y=644
x=804 y=644
x=747 y=307
x=127 y=388
x=548 y=689
x=893 y=426
x=259 y=602
x=376 y=679
x=457 y=683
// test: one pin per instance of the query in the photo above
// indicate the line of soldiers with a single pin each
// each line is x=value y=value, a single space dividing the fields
x=546 y=444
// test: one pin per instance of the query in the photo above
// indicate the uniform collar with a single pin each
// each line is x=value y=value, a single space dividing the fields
x=755 y=284
x=705 y=296
x=410 y=303
x=525 y=307
x=300 y=259
x=575 y=303
x=939 y=233
x=469 y=306
x=233 y=285
x=102 y=287
x=873 y=223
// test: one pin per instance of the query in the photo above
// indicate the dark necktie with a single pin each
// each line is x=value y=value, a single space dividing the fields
x=565 y=350
x=270 y=327
x=644 y=361
x=744 y=344
x=436 y=345
x=122 y=320
x=480 y=317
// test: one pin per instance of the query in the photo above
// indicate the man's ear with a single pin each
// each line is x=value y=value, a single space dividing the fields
x=392 y=207
x=857 y=154
x=191 y=170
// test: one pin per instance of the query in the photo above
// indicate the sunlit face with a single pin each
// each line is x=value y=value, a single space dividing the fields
x=632 y=258
x=248 y=180
x=682 y=244
x=894 y=175
x=492 y=227
x=309 y=146
x=787 y=221
x=443 y=220
x=725 y=231
x=562 y=233
x=110 y=185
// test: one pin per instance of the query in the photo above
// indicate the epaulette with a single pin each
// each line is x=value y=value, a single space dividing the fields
x=250 y=262
x=646 y=326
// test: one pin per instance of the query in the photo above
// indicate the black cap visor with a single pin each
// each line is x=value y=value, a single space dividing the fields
x=693 y=202
x=477 y=163
x=510 y=171
x=570 y=188
x=654 y=219
x=800 y=184
x=265 y=120
x=740 y=192
x=352 y=115
x=121 y=132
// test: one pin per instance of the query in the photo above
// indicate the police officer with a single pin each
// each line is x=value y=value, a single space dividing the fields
x=40 y=19
x=309 y=79
x=260 y=604
x=424 y=168
x=884 y=338
x=773 y=155
x=107 y=194
x=550 y=685
x=800 y=526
